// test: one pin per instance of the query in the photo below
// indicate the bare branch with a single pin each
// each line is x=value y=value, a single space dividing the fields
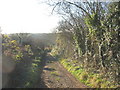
x=80 y=8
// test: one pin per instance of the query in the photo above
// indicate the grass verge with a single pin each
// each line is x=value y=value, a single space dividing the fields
x=90 y=79
x=33 y=73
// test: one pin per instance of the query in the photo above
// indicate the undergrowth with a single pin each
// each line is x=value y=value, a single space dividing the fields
x=33 y=73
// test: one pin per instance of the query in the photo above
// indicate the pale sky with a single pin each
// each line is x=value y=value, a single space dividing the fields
x=26 y=16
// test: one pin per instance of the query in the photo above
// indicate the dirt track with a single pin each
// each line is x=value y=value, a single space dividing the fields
x=54 y=75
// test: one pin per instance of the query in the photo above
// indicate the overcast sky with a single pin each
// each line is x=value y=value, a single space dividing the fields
x=26 y=16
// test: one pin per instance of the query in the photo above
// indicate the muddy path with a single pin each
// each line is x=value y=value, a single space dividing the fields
x=54 y=75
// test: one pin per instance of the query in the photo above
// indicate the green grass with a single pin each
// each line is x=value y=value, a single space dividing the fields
x=37 y=61
x=57 y=79
x=55 y=73
x=90 y=79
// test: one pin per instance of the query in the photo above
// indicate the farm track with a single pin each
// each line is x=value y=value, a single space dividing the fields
x=54 y=75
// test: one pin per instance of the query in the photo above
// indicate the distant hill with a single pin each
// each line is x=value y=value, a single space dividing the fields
x=35 y=38
x=46 y=38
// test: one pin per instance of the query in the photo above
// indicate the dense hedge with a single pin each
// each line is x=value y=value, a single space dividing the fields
x=21 y=63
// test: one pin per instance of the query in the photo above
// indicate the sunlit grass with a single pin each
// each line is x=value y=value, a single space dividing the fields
x=90 y=79
x=54 y=73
